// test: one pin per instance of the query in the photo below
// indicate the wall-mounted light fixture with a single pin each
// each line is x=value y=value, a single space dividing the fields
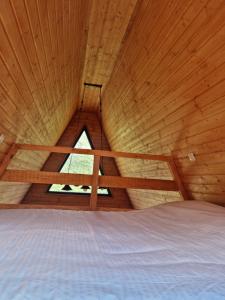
x=2 y=137
x=191 y=157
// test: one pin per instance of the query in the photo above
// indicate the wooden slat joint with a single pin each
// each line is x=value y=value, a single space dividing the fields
x=177 y=178
x=7 y=158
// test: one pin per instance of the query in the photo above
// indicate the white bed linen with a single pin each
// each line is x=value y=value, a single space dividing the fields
x=173 y=251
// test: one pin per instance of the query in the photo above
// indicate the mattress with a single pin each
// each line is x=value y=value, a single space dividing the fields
x=173 y=251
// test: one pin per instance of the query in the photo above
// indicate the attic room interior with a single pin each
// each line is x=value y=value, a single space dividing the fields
x=112 y=149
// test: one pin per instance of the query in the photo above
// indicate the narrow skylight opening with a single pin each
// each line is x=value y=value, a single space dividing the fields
x=79 y=164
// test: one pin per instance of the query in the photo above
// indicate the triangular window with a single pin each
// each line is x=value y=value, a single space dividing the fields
x=79 y=164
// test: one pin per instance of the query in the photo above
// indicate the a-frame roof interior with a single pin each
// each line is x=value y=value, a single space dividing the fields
x=161 y=67
x=79 y=164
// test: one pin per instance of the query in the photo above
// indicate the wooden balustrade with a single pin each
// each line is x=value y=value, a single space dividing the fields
x=94 y=180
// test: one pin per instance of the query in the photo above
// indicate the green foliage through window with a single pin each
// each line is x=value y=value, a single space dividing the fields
x=78 y=164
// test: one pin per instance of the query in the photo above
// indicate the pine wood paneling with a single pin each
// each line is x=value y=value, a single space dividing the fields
x=41 y=69
x=161 y=63
x=167 y=95
x=45 y=46
x=108 y=25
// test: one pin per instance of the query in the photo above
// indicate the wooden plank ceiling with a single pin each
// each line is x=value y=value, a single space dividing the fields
x=167 y=95
x=161 y=63
x=48 y=49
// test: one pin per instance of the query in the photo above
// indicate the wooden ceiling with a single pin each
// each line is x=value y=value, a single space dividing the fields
x=108 y=24
x=161 y=63
x=167 y=95
x=48 y=49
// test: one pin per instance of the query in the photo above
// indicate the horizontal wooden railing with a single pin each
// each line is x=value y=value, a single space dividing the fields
x=105 y=153
x=63 y=207
x=93 y=180
x=80 y=179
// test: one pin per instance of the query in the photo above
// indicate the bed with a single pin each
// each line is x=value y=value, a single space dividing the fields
x=172 y=251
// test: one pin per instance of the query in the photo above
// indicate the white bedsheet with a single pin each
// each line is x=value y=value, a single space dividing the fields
x=174 y=251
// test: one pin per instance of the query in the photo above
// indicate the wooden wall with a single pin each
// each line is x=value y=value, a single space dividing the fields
x=41 y=69
x=161 y=63
x=167 y=95
x=38 y=193
x=48 y=49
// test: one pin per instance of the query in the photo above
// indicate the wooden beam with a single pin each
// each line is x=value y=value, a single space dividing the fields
x=7 y=158
x=137 y=183
x=68 y=207
x=78 y=179
x=46 y=177
x=95 y=178
x=178 y=180
x=61 y=149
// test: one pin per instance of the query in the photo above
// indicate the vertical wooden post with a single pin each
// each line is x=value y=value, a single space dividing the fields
x=94 y=191
x=177 y=178
x=7 y=158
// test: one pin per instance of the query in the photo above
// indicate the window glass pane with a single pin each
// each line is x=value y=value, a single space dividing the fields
x=78 y=164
